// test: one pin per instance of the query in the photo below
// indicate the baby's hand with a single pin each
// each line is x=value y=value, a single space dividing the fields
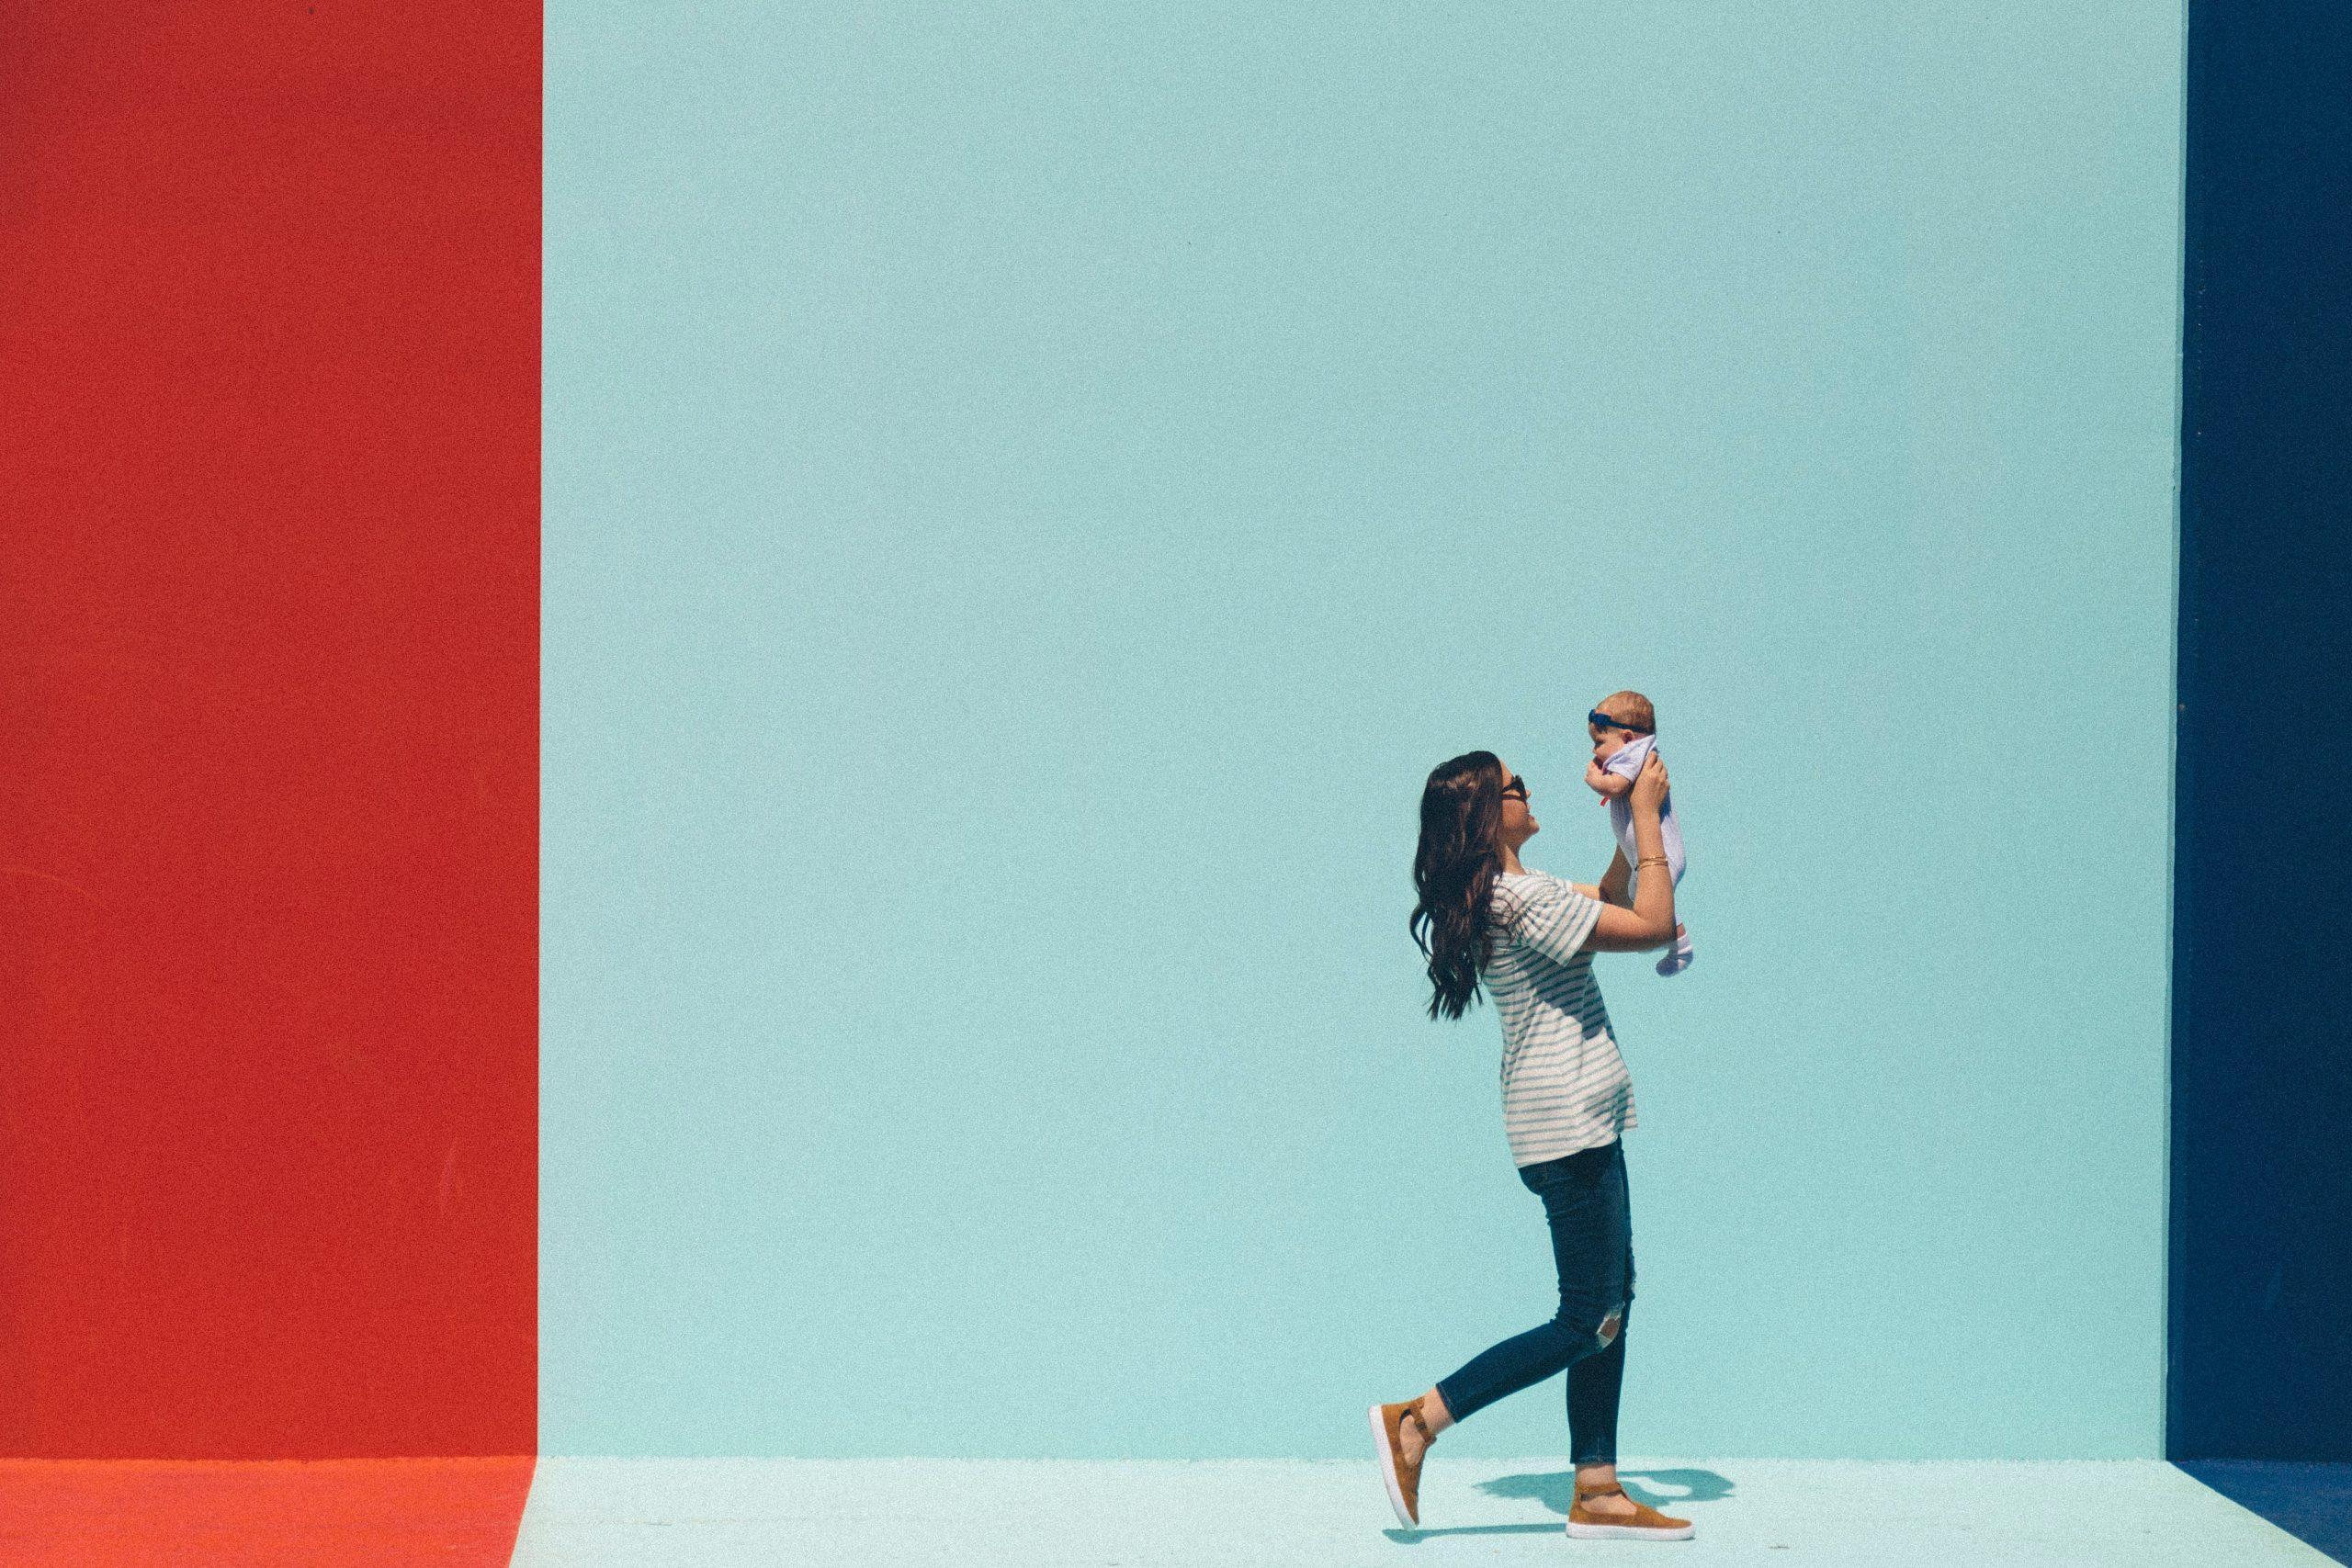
x=1604 y=783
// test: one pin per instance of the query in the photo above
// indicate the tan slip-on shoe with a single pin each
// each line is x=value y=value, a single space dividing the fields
x=1647 y=1523
x=1403 y=1480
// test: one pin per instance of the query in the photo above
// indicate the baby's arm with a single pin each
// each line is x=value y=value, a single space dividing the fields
x=1603 y=782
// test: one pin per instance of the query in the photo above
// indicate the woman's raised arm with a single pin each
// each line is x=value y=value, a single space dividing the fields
x=1650 y=922
x=1614 y=881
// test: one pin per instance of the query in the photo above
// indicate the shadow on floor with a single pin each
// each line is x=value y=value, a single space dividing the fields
x=1410 y=1537
x=1664 y=1489
x=2311 y=1501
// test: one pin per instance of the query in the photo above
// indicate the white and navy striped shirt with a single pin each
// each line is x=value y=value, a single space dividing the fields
x=1565 y=1087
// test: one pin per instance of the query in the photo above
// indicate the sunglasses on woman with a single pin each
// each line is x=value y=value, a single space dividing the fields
x=1516 y=789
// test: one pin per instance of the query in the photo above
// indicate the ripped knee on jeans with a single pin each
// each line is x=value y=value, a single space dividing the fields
x=1609 y=1327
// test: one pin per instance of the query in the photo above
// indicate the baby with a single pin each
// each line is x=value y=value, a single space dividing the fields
x=1624 y=730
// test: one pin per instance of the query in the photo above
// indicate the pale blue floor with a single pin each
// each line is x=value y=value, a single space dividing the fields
x=1326 y=1514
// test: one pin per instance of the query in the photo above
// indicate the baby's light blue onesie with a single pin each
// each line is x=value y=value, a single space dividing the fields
x=1626 y=763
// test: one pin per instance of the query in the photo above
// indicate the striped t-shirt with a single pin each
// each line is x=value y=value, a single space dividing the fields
x=1565 y=1087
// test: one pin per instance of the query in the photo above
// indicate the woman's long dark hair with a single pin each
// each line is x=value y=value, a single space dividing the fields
x=1453 y=871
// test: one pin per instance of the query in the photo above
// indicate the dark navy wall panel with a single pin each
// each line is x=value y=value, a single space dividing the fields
x=2260 y=1324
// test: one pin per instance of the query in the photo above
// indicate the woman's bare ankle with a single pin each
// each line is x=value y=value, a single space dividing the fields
x=1601 y=1477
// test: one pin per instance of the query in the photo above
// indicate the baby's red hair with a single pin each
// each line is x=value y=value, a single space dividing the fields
x=1630 y=707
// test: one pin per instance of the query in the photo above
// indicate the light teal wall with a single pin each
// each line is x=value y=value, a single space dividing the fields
x=1032 y=489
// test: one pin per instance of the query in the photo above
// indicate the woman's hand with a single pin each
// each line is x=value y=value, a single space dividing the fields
x=1649 y=785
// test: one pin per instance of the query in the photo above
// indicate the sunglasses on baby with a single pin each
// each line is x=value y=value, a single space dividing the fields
x=1604 y=721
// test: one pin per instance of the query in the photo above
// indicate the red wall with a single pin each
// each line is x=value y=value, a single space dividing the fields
x=269 y=706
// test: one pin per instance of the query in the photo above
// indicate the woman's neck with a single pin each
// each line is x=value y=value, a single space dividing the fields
x=1510 y=862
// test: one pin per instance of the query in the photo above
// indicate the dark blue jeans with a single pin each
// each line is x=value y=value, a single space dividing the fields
x=1592 y=1243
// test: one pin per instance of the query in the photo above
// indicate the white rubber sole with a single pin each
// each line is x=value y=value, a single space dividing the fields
x=1629 y=1532
x=1388 y=1470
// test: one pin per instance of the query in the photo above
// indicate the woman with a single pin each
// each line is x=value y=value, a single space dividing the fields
x=1567 y=1099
